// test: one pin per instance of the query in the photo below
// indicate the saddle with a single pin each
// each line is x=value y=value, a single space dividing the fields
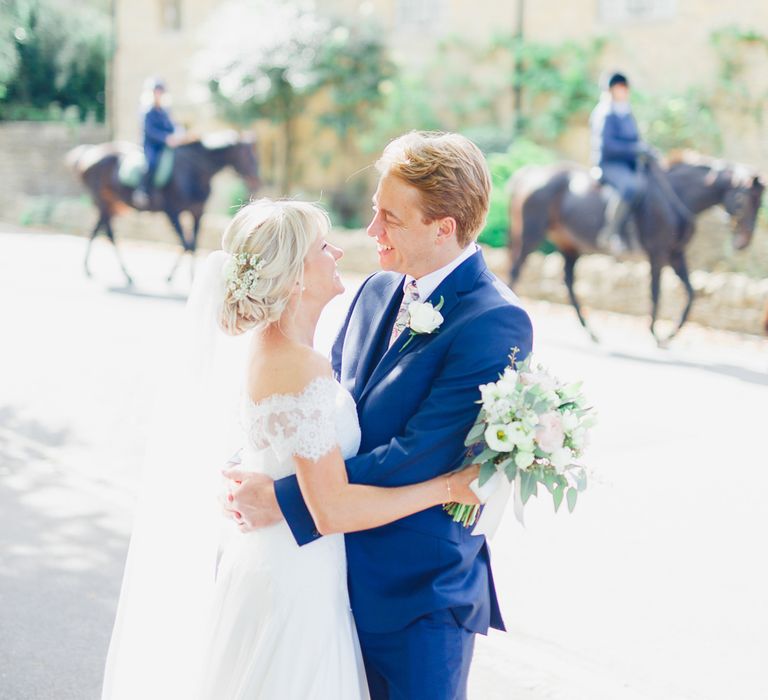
x=133 y=165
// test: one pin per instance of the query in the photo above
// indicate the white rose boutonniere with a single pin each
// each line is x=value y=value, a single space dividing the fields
x=423 y=318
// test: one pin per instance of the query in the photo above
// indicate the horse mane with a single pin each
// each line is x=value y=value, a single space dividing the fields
x=740 y=174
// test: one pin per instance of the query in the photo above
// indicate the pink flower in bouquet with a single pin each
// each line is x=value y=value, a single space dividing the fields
x=549 y=432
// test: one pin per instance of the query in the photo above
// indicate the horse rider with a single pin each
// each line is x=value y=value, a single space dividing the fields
x=159 y=132
x=616 y=145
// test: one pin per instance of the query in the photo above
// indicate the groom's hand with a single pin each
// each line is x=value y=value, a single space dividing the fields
x=250 y=500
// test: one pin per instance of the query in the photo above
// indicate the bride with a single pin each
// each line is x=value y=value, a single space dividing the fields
x=251 y=615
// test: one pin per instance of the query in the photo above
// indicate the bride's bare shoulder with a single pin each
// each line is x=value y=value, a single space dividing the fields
x=288 y=371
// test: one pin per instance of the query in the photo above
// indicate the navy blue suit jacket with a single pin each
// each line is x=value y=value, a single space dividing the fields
x=415 y=407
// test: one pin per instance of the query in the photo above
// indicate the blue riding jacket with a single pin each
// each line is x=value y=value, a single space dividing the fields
x=615 y=136
x=157 y=128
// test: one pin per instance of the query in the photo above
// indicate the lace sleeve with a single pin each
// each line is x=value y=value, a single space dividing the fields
x=303 y=425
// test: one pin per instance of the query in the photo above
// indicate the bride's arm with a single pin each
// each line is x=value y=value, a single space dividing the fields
x=338 y=506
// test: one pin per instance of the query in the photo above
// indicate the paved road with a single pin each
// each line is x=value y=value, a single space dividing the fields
x=654 y=588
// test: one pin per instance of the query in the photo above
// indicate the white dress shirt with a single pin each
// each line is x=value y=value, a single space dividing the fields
x=429 y=283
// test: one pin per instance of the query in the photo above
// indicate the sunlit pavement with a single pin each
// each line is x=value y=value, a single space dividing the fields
x=653 y=588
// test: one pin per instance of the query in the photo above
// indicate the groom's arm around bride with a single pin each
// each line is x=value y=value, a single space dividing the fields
x=420 y=587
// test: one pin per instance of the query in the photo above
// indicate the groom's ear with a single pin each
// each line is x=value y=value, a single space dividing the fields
x=446 y=229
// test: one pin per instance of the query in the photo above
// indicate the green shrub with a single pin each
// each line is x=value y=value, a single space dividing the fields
x=503 y=166
x=683 y=120
x=52 y=59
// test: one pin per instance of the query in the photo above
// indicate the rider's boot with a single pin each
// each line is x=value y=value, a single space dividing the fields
x=617 y=237
x=141 y=195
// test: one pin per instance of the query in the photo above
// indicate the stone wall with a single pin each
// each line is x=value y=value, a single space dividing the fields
x=32 y=161
x=725 y=300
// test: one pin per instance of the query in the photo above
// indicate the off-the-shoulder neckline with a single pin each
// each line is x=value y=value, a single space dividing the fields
x=293 y=395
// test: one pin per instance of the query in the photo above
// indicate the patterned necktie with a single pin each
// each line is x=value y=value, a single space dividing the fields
x=410 y=294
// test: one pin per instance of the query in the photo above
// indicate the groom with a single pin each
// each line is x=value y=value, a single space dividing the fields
x=420 y=588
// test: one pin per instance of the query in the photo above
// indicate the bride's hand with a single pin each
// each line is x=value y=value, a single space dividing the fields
x=251 y=501
x=459 y=485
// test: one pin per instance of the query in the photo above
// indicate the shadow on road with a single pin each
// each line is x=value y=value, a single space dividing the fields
x=133 y=292
x=742 y=373
x=60 y=568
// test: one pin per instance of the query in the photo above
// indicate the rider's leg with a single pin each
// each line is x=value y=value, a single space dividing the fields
x=143 y=193
x=627 y=183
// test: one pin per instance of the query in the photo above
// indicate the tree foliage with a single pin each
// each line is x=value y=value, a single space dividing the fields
x=52 y=57
x=266 y=59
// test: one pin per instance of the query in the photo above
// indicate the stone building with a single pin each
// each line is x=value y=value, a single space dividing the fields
x=663 y=44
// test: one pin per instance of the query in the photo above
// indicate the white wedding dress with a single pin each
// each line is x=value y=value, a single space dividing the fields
x=281 y=627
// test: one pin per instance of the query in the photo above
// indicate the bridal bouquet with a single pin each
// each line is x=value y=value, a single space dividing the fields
x=529 y=431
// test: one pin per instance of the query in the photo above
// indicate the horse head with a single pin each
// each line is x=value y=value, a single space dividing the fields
x=246 y=163
x=742 y=202
x=239 y=152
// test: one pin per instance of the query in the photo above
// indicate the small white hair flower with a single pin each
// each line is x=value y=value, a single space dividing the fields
x=242 y=274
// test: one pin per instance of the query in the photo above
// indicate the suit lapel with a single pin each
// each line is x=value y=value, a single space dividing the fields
x=462 y=279
x=377 y=331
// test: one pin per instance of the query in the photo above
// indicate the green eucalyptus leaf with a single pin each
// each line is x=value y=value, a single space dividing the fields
x=527 y=486
x=475 y=433
x=485 y=455
x=571 y=496
x=581 y=478
x=510 y=469
x=557 y=496
x=487 y=470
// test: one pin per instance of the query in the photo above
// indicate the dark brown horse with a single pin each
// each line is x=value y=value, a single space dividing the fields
x=195 y=164
x=564 y=204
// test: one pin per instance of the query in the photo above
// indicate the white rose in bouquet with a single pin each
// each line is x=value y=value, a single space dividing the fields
x=550 y=432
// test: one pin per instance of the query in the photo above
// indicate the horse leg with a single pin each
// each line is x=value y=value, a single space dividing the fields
x=173 y=217
x=196 y=218
x=99 y=225
x=655 y=294
x=570 y=266
x=111 y=236
x=679 y=265
x=175 y=267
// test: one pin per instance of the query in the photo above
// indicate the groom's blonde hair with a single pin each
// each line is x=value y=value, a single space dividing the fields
x=450 y=173
x=281 y=233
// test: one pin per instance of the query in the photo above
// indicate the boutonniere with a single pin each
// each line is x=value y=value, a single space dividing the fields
x=423 y=318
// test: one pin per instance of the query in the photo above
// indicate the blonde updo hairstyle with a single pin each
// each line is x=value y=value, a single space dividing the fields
x=281 y=234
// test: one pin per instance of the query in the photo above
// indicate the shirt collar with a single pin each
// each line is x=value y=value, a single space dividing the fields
x=429 y=283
